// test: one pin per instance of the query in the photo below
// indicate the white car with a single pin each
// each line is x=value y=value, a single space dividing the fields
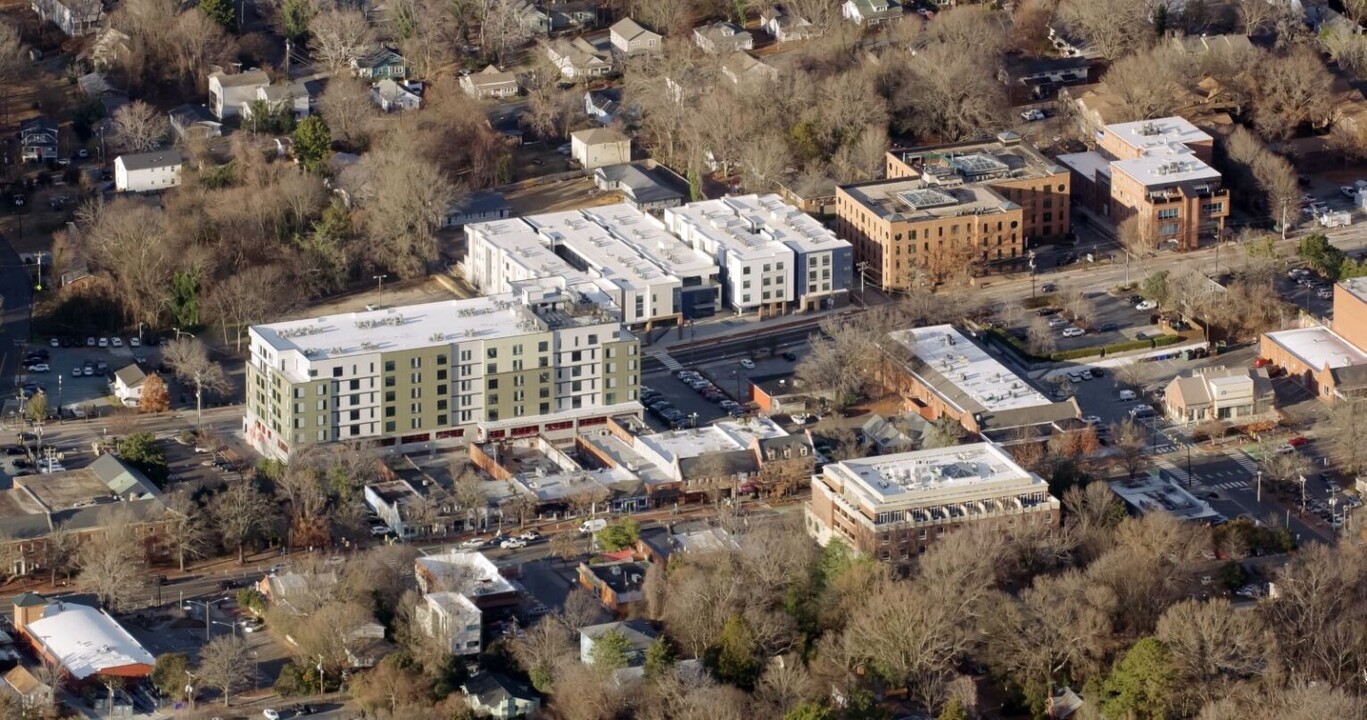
x=513 y=544
x=104 y=342
x=1286 y=449
x=473 y=543
x=270 y=714
x=39 y=368
x=1348 y=191
x=747 y=363
x=1073 y=332
x=1032 y=115
x=134 y=342
x=1141 y=410
x=54 y=342
x=800 y=418
x=116 y=342
x=1092 y=419
x=1146 y=305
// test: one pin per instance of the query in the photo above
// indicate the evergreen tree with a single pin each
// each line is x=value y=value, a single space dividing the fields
x=223 y=12
x=312 y=143
x=1142 y=684
x=660 y=658
x=736 y=655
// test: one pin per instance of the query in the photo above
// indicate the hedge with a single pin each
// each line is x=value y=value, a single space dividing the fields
x=1102 y=350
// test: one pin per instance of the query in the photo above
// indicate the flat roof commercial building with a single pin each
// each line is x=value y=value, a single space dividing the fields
x=542 y=360
x=772 y=255
x=950 y=207
x=1331 y=362
x=892 y=507
x=617 y=251
x=1159 y=171
x=945 y=374
x=82 y=640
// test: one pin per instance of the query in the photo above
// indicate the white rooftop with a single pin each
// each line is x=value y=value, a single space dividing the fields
x=562 y=484
x=939 y=475
x=469 y=573
x=524 y=248
x=401 y=328
x=979 y=376
x=722 y=437
x=1090 y=164
x=1167 y=165
x=1318 y=347
x=651 y=240
x=86 y=641
x=1156 y=493
x=754 y=227
x=1145 y=134
x=1356 y=286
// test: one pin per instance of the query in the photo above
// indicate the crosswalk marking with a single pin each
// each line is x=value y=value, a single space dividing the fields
x=665 y=359
x=1233 y=485
x=1245 y=462
x=1177 y=473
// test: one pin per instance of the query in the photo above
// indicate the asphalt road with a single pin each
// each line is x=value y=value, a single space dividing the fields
x=17 y=293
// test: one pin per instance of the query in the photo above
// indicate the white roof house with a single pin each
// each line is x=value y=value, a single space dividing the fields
x=452 y=620
x=228 y=92
x=469 y=573
x=490 y=83
x=87 y=642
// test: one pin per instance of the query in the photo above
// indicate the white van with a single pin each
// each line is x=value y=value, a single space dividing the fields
x=589 y=527
x=1127 y=395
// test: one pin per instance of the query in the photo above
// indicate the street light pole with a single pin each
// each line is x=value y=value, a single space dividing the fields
x=379 y=286
x=1260 y=485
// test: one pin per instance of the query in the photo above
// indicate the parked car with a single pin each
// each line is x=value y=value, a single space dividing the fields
x=1285 y=449
x=530 y=536
x=1298 y=441
x=1261 y=362
x=789 y=356
x=1057 y=321
x=116 y=342
x=747 y=363
x=513 y=544
x=1032 y=115
x=1141 y=410
x=1146 y=305
x=1073 y=332
x=1107 y=327
x=39 y=368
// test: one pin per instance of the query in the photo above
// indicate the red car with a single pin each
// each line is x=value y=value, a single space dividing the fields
x=1261 y=362
x=1298 y=441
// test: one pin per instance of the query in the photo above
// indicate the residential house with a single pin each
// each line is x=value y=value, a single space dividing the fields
x=300 y=592
x=394 y=96
x=813 y=194
x=278 y=99
x=378 y=64
x=544 y=18
x=617 y=585
x=38 y=140
x=494 y=695
x=578 y=59
x=188 y=119
x=1069 y=43
x=744 y=69
x=452 y=620
x=629 y=38
x=1239 y=395
x=1038 y=79
x=228 y=93
x=490 y=83
x=871 y=12
x=599 y=147
x=478 y=206
x=148 y=172
x=891 y=436
x=723 y=38
x=785 y=25
x=109 y=49
x=640 y=187
x=73 y=17
x=129 y=380
x=24 y=687
x=605 y=106
x=638 y=634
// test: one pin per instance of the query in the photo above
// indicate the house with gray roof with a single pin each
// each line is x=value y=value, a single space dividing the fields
x=638 y=634
x=148 y=172
x=1239 y=395
x=641 y=187
x=629 y=38
x=721 y=38
x=871 y=12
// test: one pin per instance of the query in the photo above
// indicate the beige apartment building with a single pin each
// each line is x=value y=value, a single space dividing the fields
x=534 y=361
x=950 y=207
x=1158 y=170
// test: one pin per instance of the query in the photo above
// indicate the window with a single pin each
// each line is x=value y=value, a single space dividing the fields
x=441 y=404
x=441 y=360
x=492 y=384
x=491 y=368
x=542 y=346
x=337 y=371
x=441 y=374
x=745 y=270
x=491 y=353
x=354 y=385
x=593 y=339
x=389 y=366
x=517 y=349
x=1212 y=208
x=1167 y=214
x=389 y=426
x=354 y=415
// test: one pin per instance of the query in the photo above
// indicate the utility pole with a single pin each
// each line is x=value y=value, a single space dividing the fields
x=379 y=286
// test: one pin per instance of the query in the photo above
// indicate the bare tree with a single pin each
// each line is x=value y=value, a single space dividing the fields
x=502 y=29
x=1130 y=440
x=111 y=567
x=1284 y=467
x=1040 y=338
x=1347 y=427
x=226 y=665
x=1214 y=646
x=338 y=36
x=248 y=297
x=139 y=127
x=346 y=107
x=184 y=527
x=189 y=359
x=1115 y=29
x=1151 y=84
x=403 y=196
x=11 y=61
x=240 y=512
x=60 y=552
x=1295 y=90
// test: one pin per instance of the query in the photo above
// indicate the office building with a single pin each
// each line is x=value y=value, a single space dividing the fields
x=948 y=208
x=542 y=360
x=892 y=507
x=1158 y=171
x=1238 y=395
x=1330 y=361
x=773 y=256
x=615 y=254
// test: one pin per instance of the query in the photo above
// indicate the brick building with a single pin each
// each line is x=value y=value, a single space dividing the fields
x=1158 y=170
x=1331 y=362
x=946 y=207
x=892 y=507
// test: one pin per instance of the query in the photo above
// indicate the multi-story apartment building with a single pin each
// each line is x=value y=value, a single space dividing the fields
x=950 y=207
x=616 y=254
x=772 y=255
x=892 y=507
x=1156 y=170
x=541 y=360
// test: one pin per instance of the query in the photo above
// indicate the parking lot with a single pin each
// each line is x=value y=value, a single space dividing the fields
x=89 y=391
x=730 y=377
